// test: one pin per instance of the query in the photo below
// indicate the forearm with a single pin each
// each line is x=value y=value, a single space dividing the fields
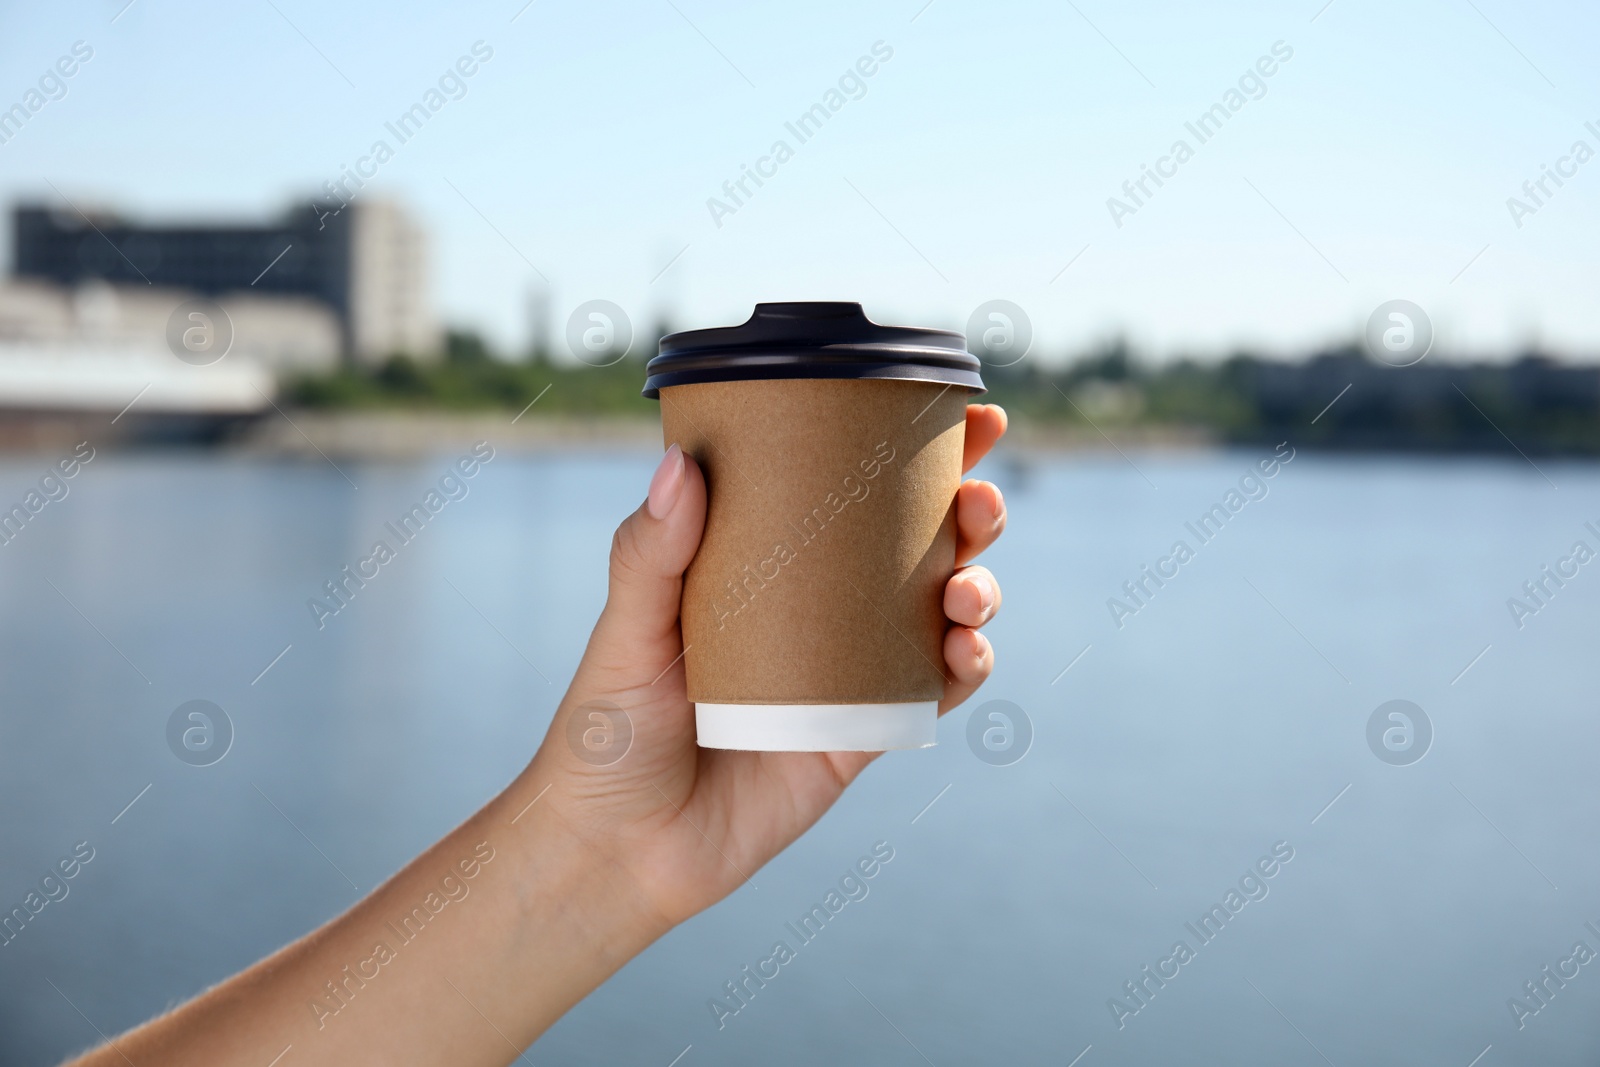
x=464 y=957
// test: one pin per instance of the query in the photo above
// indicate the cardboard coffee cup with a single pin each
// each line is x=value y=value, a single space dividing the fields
x=813 y=615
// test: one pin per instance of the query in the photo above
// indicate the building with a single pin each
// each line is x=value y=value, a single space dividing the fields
x=284 y=334
x=366 y=263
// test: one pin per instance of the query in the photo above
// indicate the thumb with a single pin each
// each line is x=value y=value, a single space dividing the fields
x=651 y=550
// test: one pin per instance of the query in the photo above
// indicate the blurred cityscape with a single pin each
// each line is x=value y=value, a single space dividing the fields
x=107 y=315
x=196 y=331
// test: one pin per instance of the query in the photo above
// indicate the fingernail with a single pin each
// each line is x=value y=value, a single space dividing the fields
x=985 y=590
x=999 y=500
x=667 y=484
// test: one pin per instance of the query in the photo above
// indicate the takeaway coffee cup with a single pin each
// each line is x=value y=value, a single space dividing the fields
x=813 y=614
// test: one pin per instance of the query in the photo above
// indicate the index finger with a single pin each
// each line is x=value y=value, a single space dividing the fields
x=986 y=423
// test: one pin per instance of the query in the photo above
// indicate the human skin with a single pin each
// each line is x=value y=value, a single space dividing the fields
x=589 y=864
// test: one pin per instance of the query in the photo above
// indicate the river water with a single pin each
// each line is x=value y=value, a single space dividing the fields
x=1220 y=731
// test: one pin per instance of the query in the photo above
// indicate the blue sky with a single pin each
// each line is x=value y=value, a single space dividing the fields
x=976 y=165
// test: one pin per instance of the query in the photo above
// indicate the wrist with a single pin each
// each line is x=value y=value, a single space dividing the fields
x=571 y=885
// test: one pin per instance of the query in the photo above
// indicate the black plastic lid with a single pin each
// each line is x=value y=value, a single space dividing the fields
x=821 y=339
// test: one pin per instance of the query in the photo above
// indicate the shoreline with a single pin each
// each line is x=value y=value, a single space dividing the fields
x=413 y=435
x=404 y=435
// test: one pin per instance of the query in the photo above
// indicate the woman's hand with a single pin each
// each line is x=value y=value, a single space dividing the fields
x=574 y=869
x=689 y=825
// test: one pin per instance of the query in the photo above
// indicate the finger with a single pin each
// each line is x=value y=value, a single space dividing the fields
x=649 y=554
x=971 y=597
x=970 y=657
x=986 y=423
x=980 y=518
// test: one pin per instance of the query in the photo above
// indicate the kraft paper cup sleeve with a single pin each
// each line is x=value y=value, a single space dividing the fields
x=829 y=538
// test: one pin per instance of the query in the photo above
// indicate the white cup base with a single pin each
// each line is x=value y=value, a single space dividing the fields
x=817 y=727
